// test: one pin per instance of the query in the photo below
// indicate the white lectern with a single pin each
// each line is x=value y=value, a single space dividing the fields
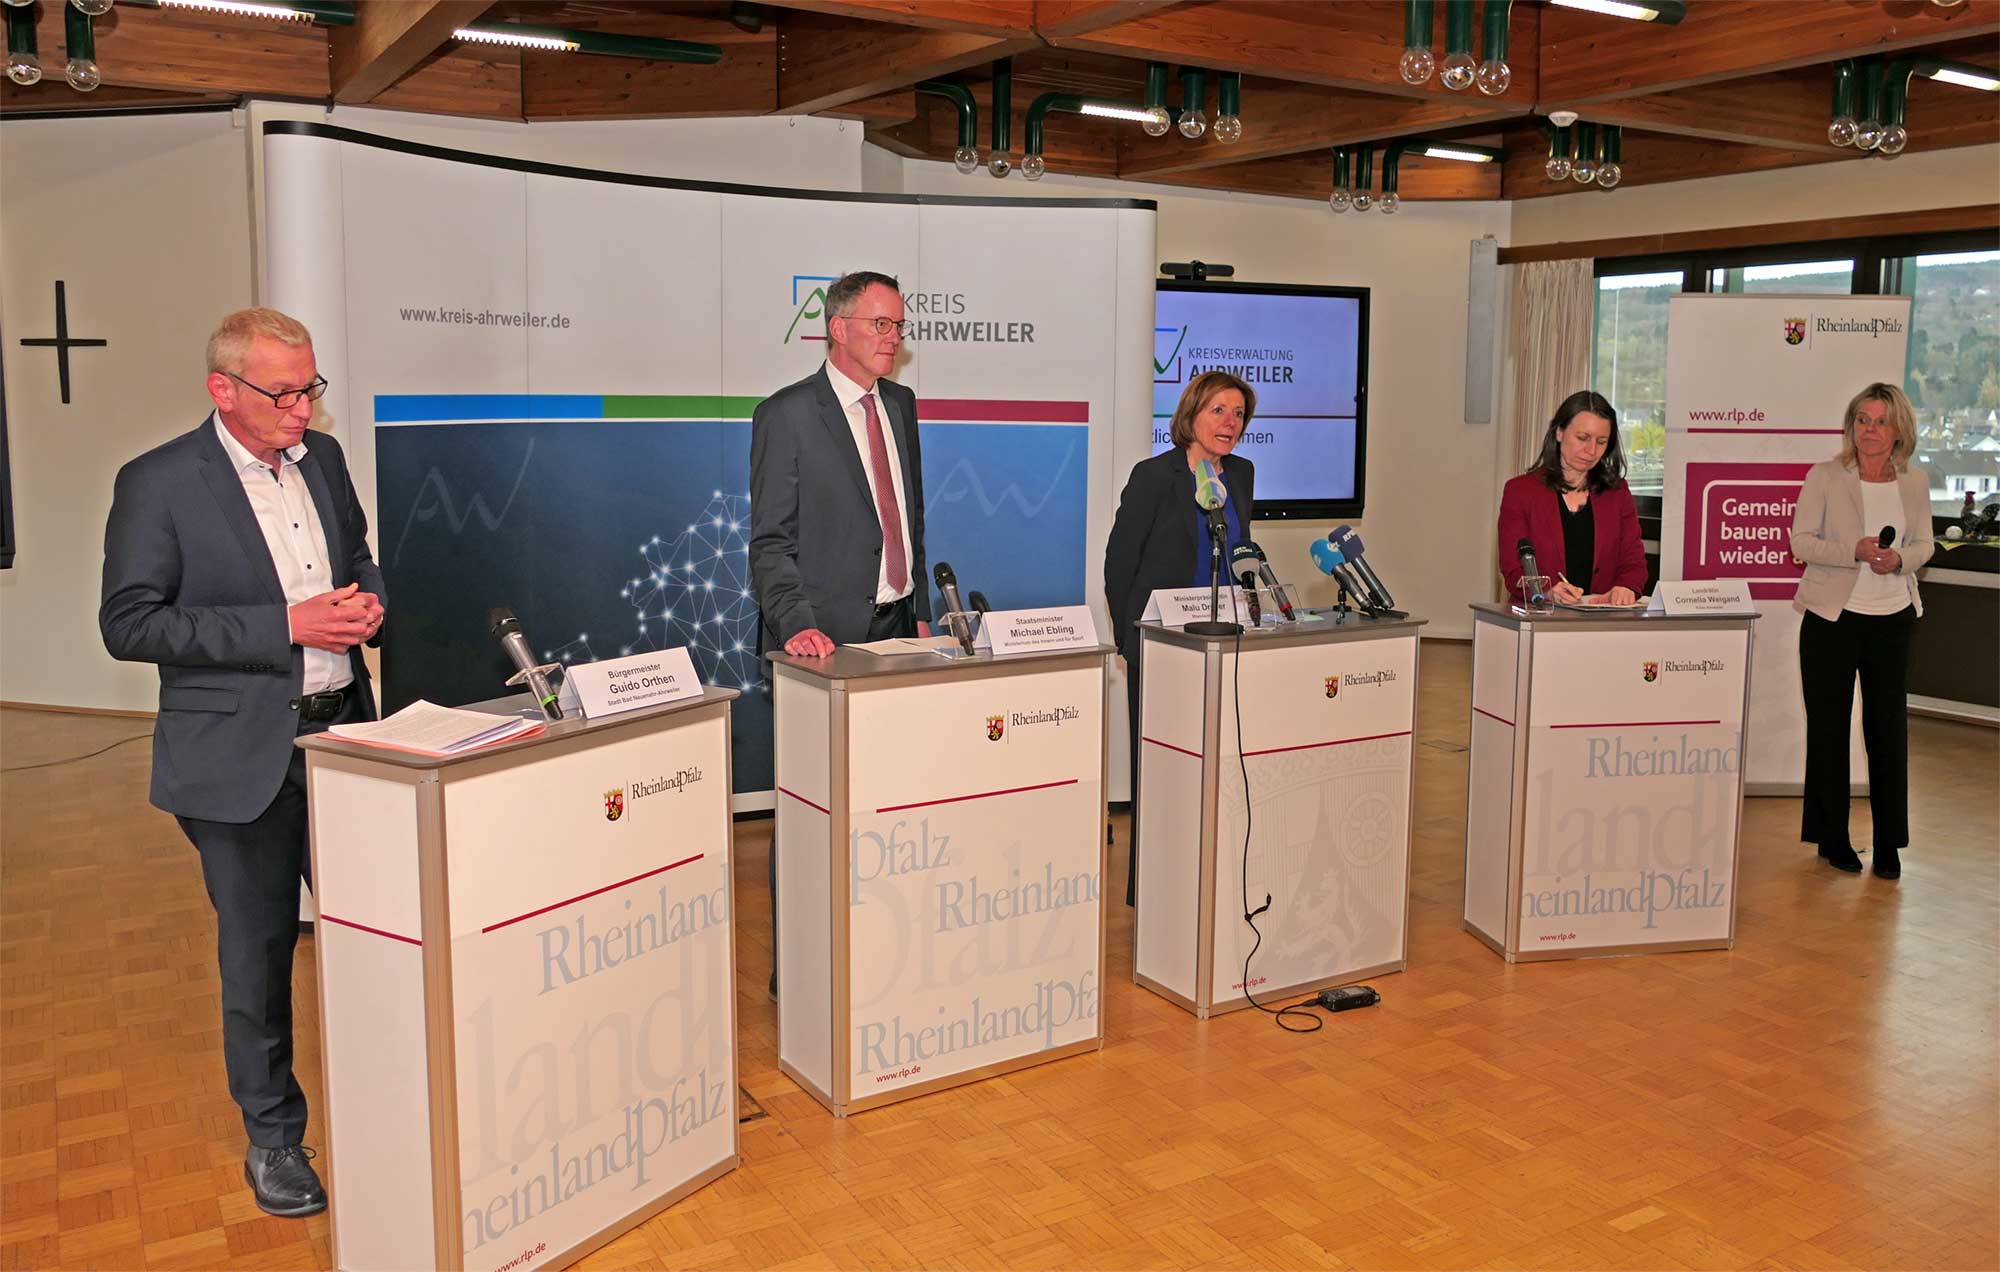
x=940 y=840
x=526 y=978
x=1323 y=742
x=1604 y=791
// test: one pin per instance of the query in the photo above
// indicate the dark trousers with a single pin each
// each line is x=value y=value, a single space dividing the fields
x=252 y=871
x=1875 y=647
x=894 y=621
x=1131 y=652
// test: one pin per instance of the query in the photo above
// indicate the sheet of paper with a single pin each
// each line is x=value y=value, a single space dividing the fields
x=429 y=729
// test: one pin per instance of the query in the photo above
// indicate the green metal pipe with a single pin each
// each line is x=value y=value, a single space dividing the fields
x=961 y=100
x=1003 y=105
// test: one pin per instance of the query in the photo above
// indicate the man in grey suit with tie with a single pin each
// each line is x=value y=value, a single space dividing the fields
x=837 y=493
x=236 y=560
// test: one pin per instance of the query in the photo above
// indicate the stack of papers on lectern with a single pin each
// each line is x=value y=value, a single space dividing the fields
x=428 y=729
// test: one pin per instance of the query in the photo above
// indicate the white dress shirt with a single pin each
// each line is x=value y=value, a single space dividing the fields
x=290 y=521
x=1881 y=505
x=850 y=395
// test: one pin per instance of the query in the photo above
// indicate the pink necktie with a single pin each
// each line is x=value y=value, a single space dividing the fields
x=885 y=499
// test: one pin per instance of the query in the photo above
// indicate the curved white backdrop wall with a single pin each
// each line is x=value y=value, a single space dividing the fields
x=544 y=377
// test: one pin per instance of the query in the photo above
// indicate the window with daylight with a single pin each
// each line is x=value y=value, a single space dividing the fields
x=1629 y=367
x=1953 y=377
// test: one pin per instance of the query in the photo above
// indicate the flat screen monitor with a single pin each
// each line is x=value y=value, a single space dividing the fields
x=1304 y=352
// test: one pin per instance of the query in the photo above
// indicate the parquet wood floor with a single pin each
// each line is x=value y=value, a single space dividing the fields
x=1823 y=1096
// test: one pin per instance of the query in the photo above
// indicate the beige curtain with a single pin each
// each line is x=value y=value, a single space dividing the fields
x=1550 y=311
x=1548 y=351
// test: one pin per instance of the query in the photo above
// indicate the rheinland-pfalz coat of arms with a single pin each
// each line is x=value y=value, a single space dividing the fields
x=1333 y=686
x=996 y=726
x=1652 y=672
x=1795 y=331
x=614 y=804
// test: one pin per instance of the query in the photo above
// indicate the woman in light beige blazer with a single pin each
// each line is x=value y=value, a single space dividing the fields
x=1863 y=528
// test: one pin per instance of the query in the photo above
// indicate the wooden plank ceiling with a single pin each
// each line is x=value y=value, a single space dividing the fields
x=1738 y=86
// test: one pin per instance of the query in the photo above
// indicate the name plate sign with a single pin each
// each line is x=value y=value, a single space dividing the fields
x=612 y=686
x=1698 y=597
x=1177 y=607
x=1036 y=630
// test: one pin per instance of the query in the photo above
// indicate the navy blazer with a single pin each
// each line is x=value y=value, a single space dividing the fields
x=1529 y=509
x=189 y=585
x=815 y=537
x=1153 y=540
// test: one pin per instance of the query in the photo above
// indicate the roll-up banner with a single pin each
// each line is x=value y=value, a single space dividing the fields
x=1756 y=388
x=544 y=379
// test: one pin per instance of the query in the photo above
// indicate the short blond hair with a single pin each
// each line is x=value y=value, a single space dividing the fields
x=1900 y=414
x=230 y=343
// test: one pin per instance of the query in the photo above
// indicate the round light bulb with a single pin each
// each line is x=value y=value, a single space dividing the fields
x=1157 y=122
x=1494 y=76
x=1391 y=201
x=24 y=68
x=1340 y=200
x=1557 y=168
x=19 y=4
x=1228 y=128
x=1868 y=136
x=965 y=159
x=1610 y=175
x=1583 y=171
x=1458 y=71
x=1363 y=200
x=1032 y=167
x=1193 y=124
x=1842 y=130
x=1418 y=64
x=82 y=74
x=1894 y=138
x=94 y=8
x=999 y=167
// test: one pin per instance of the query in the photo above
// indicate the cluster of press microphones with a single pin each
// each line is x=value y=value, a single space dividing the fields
x=1338 y=555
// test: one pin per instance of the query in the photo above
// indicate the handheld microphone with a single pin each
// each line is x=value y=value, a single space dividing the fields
x=501 y=621
x=1210 y=493
x=1270 y=578
x=1248 y=582
x=1349 y=543
x=947 y=583
x=977 y=599
x=1530 y=567
x=1331 y=561
x=1887 y=539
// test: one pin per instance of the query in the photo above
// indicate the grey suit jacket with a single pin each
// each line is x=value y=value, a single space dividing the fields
x=189 y=585
x=1826 y=525
x=815 y=538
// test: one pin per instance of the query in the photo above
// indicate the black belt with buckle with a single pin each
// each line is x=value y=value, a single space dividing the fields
x=320 y=706
x=890 y=607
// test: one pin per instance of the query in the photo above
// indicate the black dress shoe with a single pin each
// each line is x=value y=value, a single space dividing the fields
x=284 y=1181
x=1888 y=863
x=1842 y=858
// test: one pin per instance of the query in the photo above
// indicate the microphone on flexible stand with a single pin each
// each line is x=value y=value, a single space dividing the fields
x=1210 y=494
x=535 y=675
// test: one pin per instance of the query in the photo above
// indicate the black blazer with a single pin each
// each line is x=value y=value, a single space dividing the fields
x=815 y=539
x=1152 y=541
x=189 y=585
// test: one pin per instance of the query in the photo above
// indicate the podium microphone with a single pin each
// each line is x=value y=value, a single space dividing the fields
x=1331 y=562
x=947 y=584
x=1248 y=582
x=1349 y=543
x=977 y=599
x=1270 y=578
x=1530 y=567
x=1210 y=493
x=501 y=621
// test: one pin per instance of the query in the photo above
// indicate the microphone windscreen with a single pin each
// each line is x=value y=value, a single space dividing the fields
x=1244 y=551
x=500 y=620
x=1256 y=551
x=1887 y=539
x=944 y=575
x=1326 y=556
x=1209 y=491
x=1349 y=543
x=1524 y=547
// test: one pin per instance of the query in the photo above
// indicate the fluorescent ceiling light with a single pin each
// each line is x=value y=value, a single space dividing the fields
x=1451 y=152
x=1104 y=110
x=1965 y=78
x=1613 y=8
x=276 y=12
x=513 y=40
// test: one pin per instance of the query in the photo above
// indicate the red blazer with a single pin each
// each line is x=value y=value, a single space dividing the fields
x=1530 y=510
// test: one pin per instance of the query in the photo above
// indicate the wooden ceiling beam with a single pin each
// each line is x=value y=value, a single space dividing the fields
x=1299 y=177
x=1591 y=58
x=574 y=86
x=1788 y=110
x=1001 y=19
x=1293 y=119
x=388 y=41
x=1056 y=18
x=476 y=81
x=53 y=97
x=1348 y=45
x=824 y=63
x=181 y=51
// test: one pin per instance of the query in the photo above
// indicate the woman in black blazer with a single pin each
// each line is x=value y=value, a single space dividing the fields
x=1157 y=540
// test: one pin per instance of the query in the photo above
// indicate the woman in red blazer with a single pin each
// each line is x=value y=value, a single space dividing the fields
x=1574 y=506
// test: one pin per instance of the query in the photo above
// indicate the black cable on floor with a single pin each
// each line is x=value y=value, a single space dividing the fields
x=72 y=759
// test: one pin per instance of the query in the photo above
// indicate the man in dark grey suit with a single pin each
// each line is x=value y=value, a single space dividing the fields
x=837 y=494
x=236 y=559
